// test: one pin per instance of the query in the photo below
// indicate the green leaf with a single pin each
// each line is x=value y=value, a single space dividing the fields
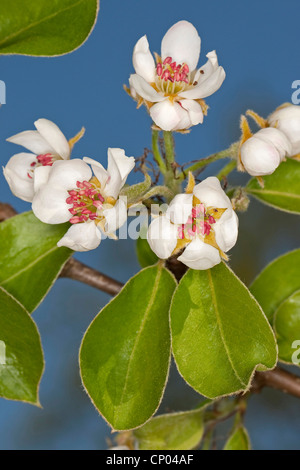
x=281 y=189
x=174 y=431
x=220 y=335
x=125 y=353
x=21 y=361
x=145 y=255
x=135 y=192
x=239 y=440
x=277 y=282
x=30 y=261
x=287 y=328
x=45 y=28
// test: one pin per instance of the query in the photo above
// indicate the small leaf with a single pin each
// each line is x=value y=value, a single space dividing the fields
x=135 y=192
x=145 y=255
x=22 y=361
x=239 y=440
x=220 y=335
x=287 y=328
x=279 y=280
x=174 y=431
x=43 y=27
x=281 y=189
x=30 y=261
x=125 y=353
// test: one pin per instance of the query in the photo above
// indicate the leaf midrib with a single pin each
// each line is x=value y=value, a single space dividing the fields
x=219 y=323
x=274 y=193
x=32 y=25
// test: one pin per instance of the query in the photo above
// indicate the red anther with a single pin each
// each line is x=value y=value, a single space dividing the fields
x=185 y=68
x=73 y=211
x=182 y=76
x=81 y=192
x=211 y=219
x=29 y=176
x=69 y=200
x=166 y=75
x=87 y=184
x=159 y=69
x=86 y=211
x=167 y=60
x=194 y=228
x=194 y=212
x=93 y=216
x=177 y=76
x=73 y=192
x=33 y=164
x=79 y=184
x=97 y=204
x=185 y=80
x=101 y=198
x=173 y=65
x=74 y=220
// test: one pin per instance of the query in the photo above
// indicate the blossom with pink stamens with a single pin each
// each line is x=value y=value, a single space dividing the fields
x=173 y=88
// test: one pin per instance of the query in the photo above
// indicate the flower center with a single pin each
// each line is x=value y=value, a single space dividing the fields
x=199 y=223
x=86 y=200
x=171 y=78
x=46 y=159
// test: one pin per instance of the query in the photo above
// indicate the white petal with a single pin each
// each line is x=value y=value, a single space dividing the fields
x=259 y=157
x=226 y=231
x=145 y=90
x=277 y=138
x=16 y=174
x=166 y=115
x=143 y=61
x=54 y=136
x=49 y=205
x=182 y=43
x=40 y=177
x=118 y=168
x=211 y=194
x=194 y=111
x=98 y=169
x=206 y=87
x=116 y=216
x=33 y=141
x=81 y=237
x=162 y=236
x=180 y=208
x=66 y=173
x=287 y=120
x=200 y=255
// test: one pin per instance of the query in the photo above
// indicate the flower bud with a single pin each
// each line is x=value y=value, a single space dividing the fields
x=287 y=120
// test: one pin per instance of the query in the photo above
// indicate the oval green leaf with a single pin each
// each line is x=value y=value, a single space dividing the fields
x=45 y=28
x=145 y=255
x=30 y=261
x=125 y=353
x=279 y=280
x=174 y=431
x=239 y=440
x=21 y=355
x=281 y=189
x=287 y=329
x=220 y=335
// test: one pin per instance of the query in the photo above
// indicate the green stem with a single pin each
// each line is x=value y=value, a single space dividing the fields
x=169 y=148
x=231 y=165
x=156 y=153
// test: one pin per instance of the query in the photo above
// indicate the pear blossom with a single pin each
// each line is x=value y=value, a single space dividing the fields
x=85 y=194
x=287 y=120
x=203 y=225
x=173 y=88
x=262 y=153
x=47 y=144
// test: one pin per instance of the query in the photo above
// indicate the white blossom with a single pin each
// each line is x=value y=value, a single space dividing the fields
x=202 y=224
x=287 y=120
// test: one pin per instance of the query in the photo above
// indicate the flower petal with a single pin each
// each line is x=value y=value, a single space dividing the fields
x=16 y=174
x=200 y=255
x=167 y=116
x=162 y=236
x=33 y=141
x=194 y=111
x=116 y=216
x=180 y=208
x=226 y=232
x=143 y=61
x=54 y=136
x=66 y=173
x=40 y=177
x=81 y=237
x=277 y=138
x=49 y=205
x=259 y=157
x=210 y=193
x=287 y=120
x=119 y=166
x=145 y=90
x=98 y=169
x=182 y=43
x=206 y=87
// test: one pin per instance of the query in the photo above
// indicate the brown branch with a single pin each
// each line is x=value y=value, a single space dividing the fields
x=78 y=271
x=277 y=378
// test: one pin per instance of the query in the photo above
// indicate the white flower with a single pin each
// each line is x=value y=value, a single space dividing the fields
x=287 y=120
x=47 y=145
x=203 y=224
x=68 y=191
x=173 y=88
x=262 y=153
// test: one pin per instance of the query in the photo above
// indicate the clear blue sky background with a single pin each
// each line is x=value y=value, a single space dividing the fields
x=258 y=44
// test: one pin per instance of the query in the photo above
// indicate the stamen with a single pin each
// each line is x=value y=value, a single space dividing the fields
x=85 y=201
